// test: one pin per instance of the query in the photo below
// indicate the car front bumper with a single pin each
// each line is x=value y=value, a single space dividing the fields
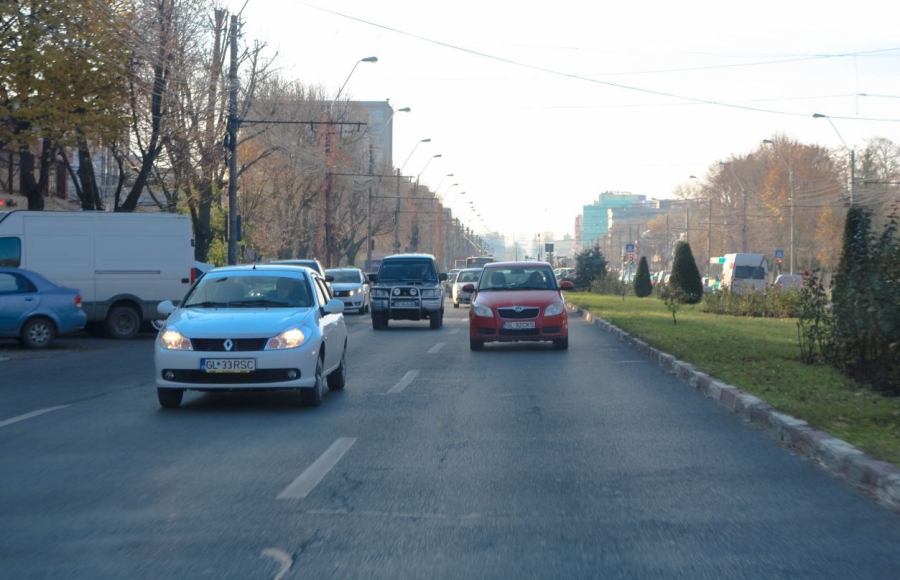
x=491 y=329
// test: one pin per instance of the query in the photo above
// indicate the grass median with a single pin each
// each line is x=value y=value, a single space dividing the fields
x=760 y=356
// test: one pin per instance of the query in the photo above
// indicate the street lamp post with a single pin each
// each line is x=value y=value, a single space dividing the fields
x=369 y=204
x=372 y=59
x=852 y=155
x=791 y=182
x=419 y=175
x=397 y=210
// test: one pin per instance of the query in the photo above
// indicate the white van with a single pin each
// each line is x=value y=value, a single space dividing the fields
x=124 y=264
x=745 y=272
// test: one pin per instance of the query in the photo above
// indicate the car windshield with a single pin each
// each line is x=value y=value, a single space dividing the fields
x=517 y=278
x=345 y=276
x=407 y=271
x=250 y=292
x=469 y=276
x=750 y=272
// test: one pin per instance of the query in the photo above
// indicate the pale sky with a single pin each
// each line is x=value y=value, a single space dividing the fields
x=536 y=108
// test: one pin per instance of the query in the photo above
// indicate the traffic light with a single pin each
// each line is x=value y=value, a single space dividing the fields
x=631 y=259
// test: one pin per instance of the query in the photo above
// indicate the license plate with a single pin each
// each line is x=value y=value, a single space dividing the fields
x=518 y=325
x=405 y=303
x=228 y=365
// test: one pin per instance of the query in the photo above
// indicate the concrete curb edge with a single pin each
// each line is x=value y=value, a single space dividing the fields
x=877 y=479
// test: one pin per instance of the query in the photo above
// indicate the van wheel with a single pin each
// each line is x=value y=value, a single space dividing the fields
x=38 y=333
x=123 y=322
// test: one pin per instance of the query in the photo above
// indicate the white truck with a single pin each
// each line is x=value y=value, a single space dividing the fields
x=745 y=272
x=124 y=264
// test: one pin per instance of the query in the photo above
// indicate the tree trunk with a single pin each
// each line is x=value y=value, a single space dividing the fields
x=88 y=178
x=34 y=189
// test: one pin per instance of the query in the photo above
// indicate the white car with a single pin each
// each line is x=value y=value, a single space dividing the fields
x=467 y=276
x=352 y=287
x=261 y=327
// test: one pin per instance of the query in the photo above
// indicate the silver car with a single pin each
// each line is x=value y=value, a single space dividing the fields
x=467 y=276
x=351 y=286
x=262 y=327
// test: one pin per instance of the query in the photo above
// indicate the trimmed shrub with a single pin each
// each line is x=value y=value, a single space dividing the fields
x=642 y=285
x=685 y=275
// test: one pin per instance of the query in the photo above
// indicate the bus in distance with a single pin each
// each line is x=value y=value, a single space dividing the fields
x=478 y=261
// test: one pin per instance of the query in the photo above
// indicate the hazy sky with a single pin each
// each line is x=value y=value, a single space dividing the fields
x=536 y=108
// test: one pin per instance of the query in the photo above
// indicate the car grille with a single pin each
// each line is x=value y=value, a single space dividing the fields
x=341 y=293
x=238 y=344
x=520 y=332
x=196 y=377
x=405 y=292
x=510 y=313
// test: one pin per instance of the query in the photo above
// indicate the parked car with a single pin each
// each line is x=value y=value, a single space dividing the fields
x=350 y=286
x=786 y=281
x=36 y=310
x=260 y=327
x=408 y=287
x=467 y=276
x=518 y=301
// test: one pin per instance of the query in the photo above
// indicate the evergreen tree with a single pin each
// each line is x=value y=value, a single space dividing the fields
x=685 y=277
x=590 y=265
x=642 y=285
x=851 y=301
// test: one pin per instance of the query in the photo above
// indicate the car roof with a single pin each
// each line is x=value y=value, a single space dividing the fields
x=492 y=265
x=261 y=269
x=343 y=270
x=398 y=256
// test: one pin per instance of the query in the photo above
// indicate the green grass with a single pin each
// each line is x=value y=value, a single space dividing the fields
x=760 y=356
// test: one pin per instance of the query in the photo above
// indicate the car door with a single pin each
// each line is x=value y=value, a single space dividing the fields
x=332 y=325
x=18 y=298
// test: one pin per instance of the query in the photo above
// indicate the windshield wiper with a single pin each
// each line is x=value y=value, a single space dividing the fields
x=207 y=304
x=259 y=302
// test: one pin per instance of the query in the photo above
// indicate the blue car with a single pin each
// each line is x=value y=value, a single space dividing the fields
x=35 y=310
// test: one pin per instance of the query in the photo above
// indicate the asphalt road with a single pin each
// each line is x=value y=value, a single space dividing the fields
x=436 y=462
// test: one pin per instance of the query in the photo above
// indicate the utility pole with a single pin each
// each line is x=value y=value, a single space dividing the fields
x=369 y=212
x=709 y=238
x=397 y=217
x=232 y=146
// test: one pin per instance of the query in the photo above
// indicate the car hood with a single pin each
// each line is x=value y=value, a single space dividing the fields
x=502 y=298
x=335 y=286
x=238 y=322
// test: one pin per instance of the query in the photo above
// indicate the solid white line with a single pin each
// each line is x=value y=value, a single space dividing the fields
x=436 y=347
x=403 y=383
x=30 y=415
x=315 y=473
x=282 y=557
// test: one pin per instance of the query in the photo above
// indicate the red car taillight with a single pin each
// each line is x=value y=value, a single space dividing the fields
x=78 y=301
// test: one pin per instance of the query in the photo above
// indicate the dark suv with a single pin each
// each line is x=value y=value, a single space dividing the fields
x=407 y=287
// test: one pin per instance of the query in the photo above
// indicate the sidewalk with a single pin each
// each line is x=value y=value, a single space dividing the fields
x=877 y=479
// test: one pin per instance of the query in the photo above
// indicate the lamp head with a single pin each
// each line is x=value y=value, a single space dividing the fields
x=404 y=110
x=425 y=141
x=369 y=59
x=818 y=115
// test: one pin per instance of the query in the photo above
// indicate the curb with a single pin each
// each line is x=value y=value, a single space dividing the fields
x=878 y=479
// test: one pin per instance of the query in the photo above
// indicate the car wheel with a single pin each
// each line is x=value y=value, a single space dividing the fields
x=312 y=397
x=123 y=322
x=338 y=377
x=365 y=308
x=476 y=344
x=436 y=320
x=456 y=305
x=169 y=398
x=38 y=332
x=562 y=343
x=377 y=321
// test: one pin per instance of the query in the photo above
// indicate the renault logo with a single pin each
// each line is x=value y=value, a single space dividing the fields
x=228 y=344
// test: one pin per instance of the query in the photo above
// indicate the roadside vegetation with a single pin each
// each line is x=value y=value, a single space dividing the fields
x=760 y=356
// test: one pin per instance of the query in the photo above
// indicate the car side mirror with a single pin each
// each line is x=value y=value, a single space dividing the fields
x=166 y=307
x=333 y=306
x=442 y=276
x=373 y=278
x=469 y=287
x=329 y=279
x=566 y=285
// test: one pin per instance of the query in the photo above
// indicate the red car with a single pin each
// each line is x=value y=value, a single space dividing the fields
x=518 y=301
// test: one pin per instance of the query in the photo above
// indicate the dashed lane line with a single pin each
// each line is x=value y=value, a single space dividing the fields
x=31 y=415
x=436 y=347
x=403 y=383
x=281 y=557
x=315 y=473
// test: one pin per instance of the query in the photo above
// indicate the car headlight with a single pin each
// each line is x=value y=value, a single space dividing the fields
x=555 y=309
x=381 y=292
x=431 y=293
x=288 y=339
x=171 y=339
x=483 y=311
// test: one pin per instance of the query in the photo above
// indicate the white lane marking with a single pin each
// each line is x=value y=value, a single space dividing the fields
x=401 y=515
x=436 y=347
x=4 y=358
x=454 y=331
x=628 y=362
x=403 y=383
x=281 y=557
x=315 y=473
x=30 y=415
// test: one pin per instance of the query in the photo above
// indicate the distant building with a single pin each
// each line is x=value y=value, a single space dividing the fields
x=378 y=116
x=595 y=224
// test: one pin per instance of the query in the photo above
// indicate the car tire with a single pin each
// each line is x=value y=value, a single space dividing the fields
x=169 y=398
x=456 y=305
x=561 y=343
x=123 y=323
x=338 y=377
x=377 y=321
x=436 y=321
x=38 y=332
x=476 y=344
x=312 y=397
